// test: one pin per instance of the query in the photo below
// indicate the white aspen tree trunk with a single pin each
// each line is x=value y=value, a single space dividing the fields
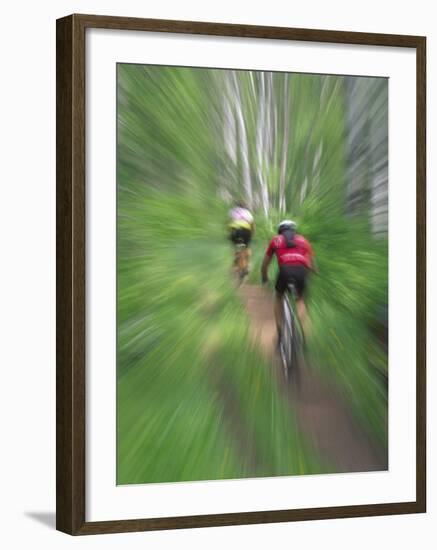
x=244 y=146
x=229 y=177
x=268 y=140
x=261 y=143
x=282 y=201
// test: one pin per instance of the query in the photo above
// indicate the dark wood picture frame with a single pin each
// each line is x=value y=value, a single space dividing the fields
x=70 y=274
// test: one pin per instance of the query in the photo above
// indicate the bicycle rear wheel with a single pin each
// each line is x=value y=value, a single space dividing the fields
x=290 y=341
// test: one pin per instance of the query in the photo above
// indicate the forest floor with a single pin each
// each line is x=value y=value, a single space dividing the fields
x=324 y=417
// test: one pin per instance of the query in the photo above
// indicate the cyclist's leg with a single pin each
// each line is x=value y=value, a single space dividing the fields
x=245 y=266
x=242 y=261
x=246 y=237
x=280 y=287
x=301 y=309
x=302 y=315
x=235 y=237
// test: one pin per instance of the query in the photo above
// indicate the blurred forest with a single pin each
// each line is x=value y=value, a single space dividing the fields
x=190 y=142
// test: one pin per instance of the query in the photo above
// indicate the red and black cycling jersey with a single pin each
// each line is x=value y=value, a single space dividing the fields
x=300 y=254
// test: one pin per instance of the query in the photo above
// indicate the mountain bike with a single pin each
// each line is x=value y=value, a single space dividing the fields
x=291 y=343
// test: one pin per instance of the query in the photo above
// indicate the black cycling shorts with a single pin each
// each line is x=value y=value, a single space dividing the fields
x=296 y=274
x=241 y=235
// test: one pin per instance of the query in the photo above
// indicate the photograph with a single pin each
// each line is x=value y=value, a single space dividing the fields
x=217 y=282
x=251 y=274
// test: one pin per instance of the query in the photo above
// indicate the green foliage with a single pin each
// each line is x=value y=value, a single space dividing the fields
x=187 y=370
x=195 y=397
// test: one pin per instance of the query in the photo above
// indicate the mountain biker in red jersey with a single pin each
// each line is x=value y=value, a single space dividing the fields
x=295 y=259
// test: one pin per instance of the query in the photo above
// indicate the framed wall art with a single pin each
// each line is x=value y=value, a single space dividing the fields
x=240 y=274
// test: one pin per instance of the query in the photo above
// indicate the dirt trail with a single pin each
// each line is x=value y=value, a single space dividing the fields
x=323 y=415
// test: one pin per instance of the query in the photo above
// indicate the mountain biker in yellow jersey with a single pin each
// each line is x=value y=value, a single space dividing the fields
x=295 y=259
x=241 y=229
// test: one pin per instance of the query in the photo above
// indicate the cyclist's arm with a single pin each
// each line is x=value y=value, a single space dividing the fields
x=313 y=266
x=265 y=268
x=266 y=262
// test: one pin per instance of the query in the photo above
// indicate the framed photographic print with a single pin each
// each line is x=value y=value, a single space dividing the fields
x=240 y=274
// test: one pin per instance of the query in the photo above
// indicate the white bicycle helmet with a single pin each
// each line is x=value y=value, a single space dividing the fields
x=286 y=224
